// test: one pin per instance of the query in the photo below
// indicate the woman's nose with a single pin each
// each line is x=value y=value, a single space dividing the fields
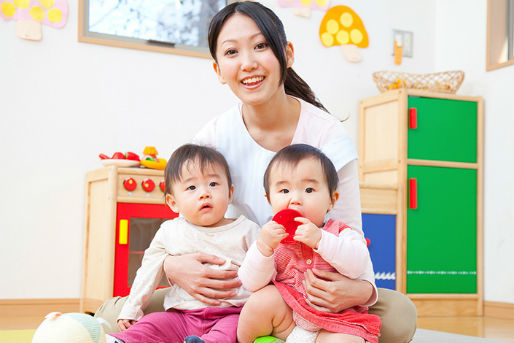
x=249 y=63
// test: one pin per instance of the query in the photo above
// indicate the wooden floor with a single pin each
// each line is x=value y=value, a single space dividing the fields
x=500 y=329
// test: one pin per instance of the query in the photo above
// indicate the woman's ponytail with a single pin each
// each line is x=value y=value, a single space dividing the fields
x=295 y=86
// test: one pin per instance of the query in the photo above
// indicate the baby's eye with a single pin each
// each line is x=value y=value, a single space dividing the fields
x=309 y=190
x=213 y=184
x=191 y=188
x=285 y=191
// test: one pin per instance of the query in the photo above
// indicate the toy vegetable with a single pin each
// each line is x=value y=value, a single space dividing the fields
x=150 y=159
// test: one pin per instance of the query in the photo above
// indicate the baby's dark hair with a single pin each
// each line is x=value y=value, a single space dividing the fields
x=203 y=155
x=272 y=29
x=293 y=154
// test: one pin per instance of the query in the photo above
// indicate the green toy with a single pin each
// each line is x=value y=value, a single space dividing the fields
x=268 y=339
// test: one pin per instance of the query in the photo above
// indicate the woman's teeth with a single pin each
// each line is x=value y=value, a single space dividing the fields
x=253 y=80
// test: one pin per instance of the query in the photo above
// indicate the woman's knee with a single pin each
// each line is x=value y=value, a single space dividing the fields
x=398 y=315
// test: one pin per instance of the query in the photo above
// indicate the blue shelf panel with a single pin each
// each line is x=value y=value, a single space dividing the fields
x=380 y=229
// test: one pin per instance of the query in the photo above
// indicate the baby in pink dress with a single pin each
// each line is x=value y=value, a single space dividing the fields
x=302 y=178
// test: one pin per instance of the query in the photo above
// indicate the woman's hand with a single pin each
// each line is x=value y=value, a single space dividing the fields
x=334 y=291
x=200 y=281
x=124 y=324
x=307 y=233
x=270 y=236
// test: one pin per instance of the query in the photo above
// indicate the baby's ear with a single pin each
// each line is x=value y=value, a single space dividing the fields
x=333 y=199
x=230 y=194
x=172 y=203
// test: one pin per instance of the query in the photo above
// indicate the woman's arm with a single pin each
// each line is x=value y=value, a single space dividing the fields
x=201 y=282
x=336 y=292
x=332 y=290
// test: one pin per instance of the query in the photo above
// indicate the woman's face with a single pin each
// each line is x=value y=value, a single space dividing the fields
x=246 y=63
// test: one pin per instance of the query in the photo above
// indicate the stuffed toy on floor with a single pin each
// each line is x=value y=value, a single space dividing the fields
x=69 y=328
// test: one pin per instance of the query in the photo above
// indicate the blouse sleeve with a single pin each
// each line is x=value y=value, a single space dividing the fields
x=147 y=278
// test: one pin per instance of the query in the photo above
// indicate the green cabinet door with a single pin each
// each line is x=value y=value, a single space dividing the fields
x=441 y=231
x=446 y=130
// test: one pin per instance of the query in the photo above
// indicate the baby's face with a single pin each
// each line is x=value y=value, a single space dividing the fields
x=201 y=196
x=302 y=188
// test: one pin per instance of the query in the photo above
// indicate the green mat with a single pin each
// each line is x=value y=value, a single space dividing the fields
x=16 y=336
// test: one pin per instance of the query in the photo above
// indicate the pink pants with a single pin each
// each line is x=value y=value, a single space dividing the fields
x=212 y=324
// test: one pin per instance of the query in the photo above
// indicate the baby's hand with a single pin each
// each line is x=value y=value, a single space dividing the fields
x=124 y=324
x=307 y=233
x=270 y=236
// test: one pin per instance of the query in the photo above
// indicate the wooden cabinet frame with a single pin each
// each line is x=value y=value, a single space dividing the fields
x=383 y=162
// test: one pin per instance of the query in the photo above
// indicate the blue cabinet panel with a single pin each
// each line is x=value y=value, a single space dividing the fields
x=380 y=229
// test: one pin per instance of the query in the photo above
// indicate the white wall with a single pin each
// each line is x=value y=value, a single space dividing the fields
x=460 y=41
x=63 y=102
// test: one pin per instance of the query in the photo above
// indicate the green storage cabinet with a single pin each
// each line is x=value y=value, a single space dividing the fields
x=430 y=147
x=441 y=231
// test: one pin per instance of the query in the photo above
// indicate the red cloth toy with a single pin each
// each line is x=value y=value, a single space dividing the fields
x=286 y=219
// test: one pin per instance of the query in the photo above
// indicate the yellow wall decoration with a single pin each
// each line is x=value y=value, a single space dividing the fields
x=30 y=14
x=342 y=26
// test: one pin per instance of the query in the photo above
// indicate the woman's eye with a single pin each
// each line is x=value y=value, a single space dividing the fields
x=213 y=184
x=261 y=46
x=309 y=190
x=285 y=191
x=230 y=52
x=191 y=188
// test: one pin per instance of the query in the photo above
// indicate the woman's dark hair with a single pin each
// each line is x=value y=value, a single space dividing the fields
x=273 y=30
x=293 y=154
x=203 y=155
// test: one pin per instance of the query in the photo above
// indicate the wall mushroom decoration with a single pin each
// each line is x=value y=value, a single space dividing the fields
x=342 y=26
x=30 y=14
x=302 y=8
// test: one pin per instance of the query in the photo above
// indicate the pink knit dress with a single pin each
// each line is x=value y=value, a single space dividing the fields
x=292 y=261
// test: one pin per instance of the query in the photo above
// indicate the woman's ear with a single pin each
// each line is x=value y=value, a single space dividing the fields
x=172 y=203
x=289 y=54
x=216 y=68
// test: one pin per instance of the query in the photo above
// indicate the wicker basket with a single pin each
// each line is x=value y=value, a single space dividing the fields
x=444 y=82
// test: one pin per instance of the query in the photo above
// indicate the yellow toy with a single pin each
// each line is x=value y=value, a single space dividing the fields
x=150 y=159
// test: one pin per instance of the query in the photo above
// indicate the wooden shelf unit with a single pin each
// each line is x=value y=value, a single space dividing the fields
x=388 y=158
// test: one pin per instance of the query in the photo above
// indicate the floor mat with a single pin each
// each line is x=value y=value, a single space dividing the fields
x=16 y=336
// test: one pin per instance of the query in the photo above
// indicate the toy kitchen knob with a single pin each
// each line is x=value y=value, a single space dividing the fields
x=148 y=185
x=129 y=184
x=162 y=186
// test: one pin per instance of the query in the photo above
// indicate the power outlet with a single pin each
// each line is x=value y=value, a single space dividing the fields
x=405 y=40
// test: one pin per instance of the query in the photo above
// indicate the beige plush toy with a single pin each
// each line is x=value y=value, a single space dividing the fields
x=69 y=328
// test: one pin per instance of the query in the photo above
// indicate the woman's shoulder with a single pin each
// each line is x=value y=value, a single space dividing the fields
x=317 y=124
x=207 y=134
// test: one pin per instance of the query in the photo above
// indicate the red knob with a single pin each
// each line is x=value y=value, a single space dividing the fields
x=129 y=184
x=148 y=185
x=368 y=242
x=162 y=186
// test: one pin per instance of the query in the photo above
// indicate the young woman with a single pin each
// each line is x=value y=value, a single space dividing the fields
x=253 y=57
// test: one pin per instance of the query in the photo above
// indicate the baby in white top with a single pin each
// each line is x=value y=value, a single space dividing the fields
x=199 y=187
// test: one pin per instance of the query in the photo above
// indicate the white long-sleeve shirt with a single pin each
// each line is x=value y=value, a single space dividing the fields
x=248 y=160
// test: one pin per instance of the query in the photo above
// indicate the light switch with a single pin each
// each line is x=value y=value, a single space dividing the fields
x=405 y=40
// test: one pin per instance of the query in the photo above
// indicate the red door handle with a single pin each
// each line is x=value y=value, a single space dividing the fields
x=413 y=193
x=413 y=118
